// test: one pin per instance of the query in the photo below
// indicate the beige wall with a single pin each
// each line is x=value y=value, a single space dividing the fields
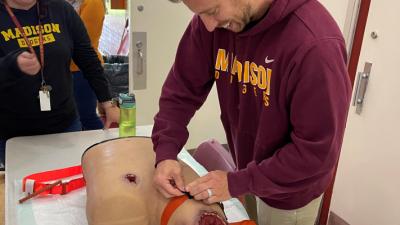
x=367 y=185
x=165 y=23
x=338 y=9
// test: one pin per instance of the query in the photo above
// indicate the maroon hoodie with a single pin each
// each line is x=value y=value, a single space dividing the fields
x=284 y=94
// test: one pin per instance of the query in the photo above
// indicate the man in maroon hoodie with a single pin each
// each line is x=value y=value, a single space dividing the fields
x=280 y=71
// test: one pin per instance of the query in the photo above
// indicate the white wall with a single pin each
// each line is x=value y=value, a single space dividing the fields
x=338 y=9
x=165 y=23
x=366 y=190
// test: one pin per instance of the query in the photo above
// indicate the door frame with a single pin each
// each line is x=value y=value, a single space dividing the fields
x=354 y=30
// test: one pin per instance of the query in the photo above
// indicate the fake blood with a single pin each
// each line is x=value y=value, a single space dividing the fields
x=211 y=219
x=131 y=178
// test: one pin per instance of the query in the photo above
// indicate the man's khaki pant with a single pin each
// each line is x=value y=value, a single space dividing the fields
x=306 y=215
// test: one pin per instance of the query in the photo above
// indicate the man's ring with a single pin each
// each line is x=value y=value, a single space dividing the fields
x=209 y=192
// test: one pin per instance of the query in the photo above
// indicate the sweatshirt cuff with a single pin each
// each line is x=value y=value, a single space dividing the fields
x=13 y=65
x=166 y=151
x=104 y=96
x=238 y=183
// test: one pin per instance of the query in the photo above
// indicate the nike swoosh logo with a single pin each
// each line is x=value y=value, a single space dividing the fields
x=268 y=60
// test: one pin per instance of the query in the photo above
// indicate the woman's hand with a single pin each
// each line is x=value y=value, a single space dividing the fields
x=28 y=63
x=111 y=112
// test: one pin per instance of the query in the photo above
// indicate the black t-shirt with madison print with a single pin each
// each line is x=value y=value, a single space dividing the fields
x=65 y=38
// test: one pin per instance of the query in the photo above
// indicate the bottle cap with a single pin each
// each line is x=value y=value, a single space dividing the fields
x=126 y=100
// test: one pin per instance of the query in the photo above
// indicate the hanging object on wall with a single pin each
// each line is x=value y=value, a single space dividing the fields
x=118 y=4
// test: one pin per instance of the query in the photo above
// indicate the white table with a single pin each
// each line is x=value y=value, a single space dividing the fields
x=27 y=155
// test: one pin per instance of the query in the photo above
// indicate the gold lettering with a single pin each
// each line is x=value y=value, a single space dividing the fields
x=266 y=99
x=269 y=75
x=37 y=29
x=8 y=35
x=56 y=28
x=233 y=66
x=262 y=78
x=239 y=68
x=236 y=68
x=27 y=31
x=221 y=62
x=253 y=71
x=255 y=91
x=17 y=33
x=216 y=75
x=33 y=30
x=22 y=43
x=34 y=41
x=245 y=73
x=244 y=89
x=47 y=28
x=48 y=38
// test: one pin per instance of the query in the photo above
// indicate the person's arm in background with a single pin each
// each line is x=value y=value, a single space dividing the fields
x=92 y=13
x=86 y=58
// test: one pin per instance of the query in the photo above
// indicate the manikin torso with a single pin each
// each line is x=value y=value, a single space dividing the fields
x=120 y=189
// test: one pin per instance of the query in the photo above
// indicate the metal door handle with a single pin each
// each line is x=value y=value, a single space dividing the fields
x=140 y=61
x=140 y=58
x=361 y=87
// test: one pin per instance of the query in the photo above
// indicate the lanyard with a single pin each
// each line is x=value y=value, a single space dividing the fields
x=16 y=22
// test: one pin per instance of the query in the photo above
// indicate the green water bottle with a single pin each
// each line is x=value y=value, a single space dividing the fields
x=127 y=120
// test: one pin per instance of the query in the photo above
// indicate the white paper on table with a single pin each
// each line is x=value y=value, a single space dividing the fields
x=233 y=208
x=69 y=209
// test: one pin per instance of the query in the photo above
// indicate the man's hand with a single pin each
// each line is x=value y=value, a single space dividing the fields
x=215 y=183
x=168 y=178
x=111 y=112
x=28 y=63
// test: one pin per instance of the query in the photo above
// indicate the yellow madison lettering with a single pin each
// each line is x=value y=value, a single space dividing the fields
x=34 y=42
x=253 y=73
x=55 y=28
x=22 y=43
x=27 y=31
x=237 y=68
x=8 y=34
x=267 y=86
x=262 y=78
x=265 y=99
x=48 y=38
x=17 y=33
x=233 y=66
x=47 y=28
x=37 y=29
x=221 y=62
x=245 y=73
x=244 y=88
x=34 y=31
x=216 y=74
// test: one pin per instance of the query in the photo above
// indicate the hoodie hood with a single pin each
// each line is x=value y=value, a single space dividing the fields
x=278 y=10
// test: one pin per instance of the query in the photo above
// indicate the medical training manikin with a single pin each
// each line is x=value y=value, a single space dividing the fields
x=120 y=188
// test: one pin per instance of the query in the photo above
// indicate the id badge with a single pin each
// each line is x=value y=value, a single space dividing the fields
x=44 y=98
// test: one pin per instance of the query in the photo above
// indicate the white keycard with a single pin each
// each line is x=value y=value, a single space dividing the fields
x=44 y=97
